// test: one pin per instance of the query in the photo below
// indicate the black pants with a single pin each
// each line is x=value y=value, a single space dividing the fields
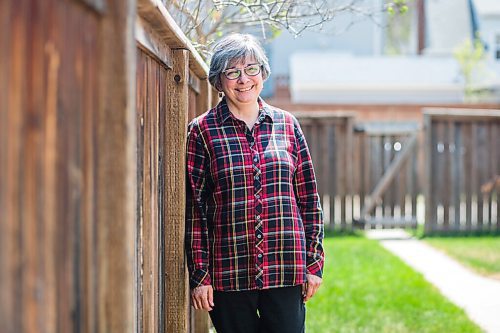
x=277 y=310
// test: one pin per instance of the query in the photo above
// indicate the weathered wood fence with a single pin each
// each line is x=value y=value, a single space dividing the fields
x=387 y=175
x=351 y=161
x=330 y=140
x=463 y=170
x=95 y=96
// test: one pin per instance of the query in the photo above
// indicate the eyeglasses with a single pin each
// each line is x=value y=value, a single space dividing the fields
x=234 y=73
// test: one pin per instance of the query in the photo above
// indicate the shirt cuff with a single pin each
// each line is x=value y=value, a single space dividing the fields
x=199 y=277
x=315 y=268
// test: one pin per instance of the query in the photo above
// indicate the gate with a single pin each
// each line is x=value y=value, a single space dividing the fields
x=368 y=174
x=386 y=170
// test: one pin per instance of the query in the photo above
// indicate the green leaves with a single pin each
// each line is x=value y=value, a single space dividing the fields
x=397 y=7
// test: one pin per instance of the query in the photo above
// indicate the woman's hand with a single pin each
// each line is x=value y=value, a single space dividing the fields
x=203 y=297
x=311 y=286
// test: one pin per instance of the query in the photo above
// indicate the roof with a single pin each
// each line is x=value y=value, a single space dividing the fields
x=487 y=7
x=332 y=78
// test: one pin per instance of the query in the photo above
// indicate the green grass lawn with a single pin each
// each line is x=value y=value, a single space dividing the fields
x=367 y=289
x=481 y=254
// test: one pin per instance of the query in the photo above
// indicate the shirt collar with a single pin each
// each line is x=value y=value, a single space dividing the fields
x=223 y=113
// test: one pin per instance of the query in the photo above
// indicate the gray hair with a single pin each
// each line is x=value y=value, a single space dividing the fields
x=236 y=47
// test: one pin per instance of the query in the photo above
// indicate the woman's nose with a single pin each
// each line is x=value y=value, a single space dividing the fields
x=243 y=78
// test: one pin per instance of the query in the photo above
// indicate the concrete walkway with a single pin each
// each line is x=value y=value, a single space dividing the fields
x=477 y=295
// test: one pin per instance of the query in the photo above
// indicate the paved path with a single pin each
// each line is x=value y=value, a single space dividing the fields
x=477 y=295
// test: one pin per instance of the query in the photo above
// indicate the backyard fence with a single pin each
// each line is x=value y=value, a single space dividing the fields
x=386 y=177
x=367 y=173
x=95 y=96
x=388 y=174
x=330 y=140
x=462 y=153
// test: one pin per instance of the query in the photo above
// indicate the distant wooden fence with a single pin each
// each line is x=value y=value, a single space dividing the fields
x=463 y=170
x=95 y=96
x=351 y=161
x=330 y=140
x=378 y=174
x=386 y=176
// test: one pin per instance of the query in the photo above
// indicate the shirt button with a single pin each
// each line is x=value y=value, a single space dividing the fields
x=259 y=255
x=259 y=236
x=257 y=177
x=257 y=196
x=255 y=159
x=258 y=217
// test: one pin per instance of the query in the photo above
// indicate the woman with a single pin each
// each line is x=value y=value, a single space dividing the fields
x=254 y=224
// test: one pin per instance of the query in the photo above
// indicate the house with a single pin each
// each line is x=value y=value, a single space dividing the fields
x=353 y=69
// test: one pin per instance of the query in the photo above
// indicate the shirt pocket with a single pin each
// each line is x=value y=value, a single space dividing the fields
x=278 y=158
x=229 y=165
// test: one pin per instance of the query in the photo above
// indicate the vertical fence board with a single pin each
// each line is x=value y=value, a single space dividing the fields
x=468 y=157
x=349 y=146
x=495 y=171
x=445 y=172
x=332 y=162
x=386 y=158
x=367 y=153
x=341 y=171
x=456 y=170
x=325 y=164
x=401 y=184
x=116 y=168
x=481 y=170
x=473 y=177
x=175 y=272
x=141 y=93
x=430 y=196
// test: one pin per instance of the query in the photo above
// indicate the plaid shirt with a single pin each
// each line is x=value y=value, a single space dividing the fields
x=253 y=217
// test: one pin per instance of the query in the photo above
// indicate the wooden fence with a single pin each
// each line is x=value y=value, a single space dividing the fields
x=330 y=140
x=95 y=96
x=375 y=175
x=367 y=173
x=463 y=170
x=386 y=172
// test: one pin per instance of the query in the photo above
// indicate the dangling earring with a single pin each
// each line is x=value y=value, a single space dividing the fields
x=221 y=94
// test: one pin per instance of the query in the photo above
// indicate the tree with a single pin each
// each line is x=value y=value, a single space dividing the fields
x=205 y=20
x=471 y=57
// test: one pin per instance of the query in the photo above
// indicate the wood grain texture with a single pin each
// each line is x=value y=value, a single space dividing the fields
x=116 y=163
x=57 y=86
x=175 y=283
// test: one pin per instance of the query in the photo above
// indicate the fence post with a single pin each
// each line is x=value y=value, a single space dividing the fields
x=176 y=309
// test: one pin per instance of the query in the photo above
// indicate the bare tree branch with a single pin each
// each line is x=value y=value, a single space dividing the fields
x=206 y=20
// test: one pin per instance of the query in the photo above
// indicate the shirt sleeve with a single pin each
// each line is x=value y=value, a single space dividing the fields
x=196 y=242
x=309 y=204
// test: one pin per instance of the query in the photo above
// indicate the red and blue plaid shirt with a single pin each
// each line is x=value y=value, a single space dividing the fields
x=253 y=217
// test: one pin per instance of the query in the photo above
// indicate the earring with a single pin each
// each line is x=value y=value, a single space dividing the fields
x=221 y=94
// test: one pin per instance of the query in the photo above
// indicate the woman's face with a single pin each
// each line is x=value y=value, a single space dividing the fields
x=245 y=89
